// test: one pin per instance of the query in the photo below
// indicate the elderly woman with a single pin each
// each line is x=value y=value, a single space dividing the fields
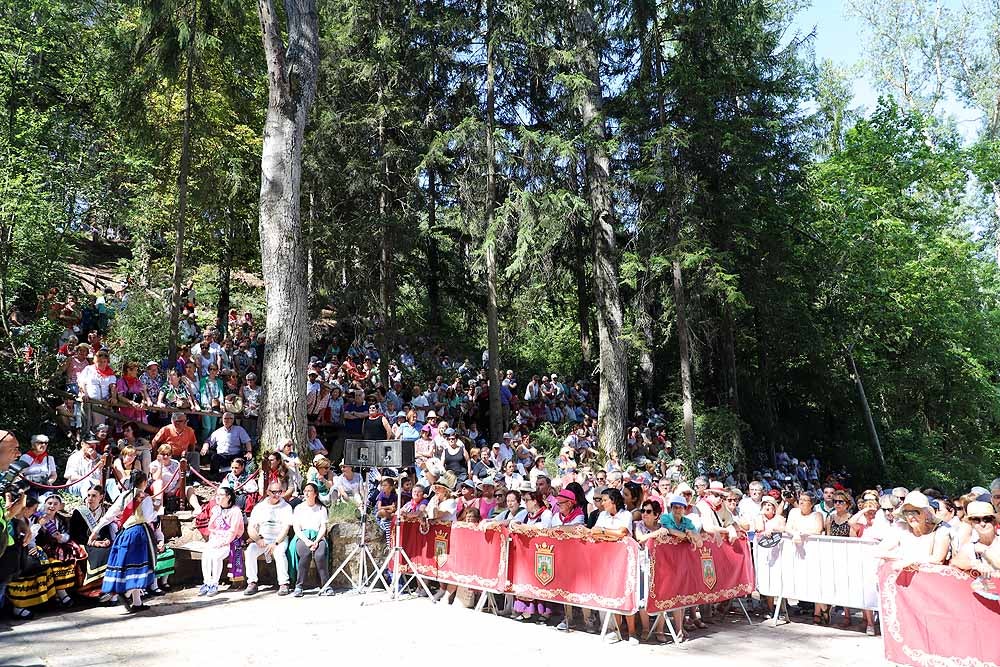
x=41 y=467
x=132 y=559
x=173 y=394
x=538 y=515
x=225 y=524
x=916 y=538
x=90 y=572
x=983 y=555
x=803 y=519
x=309 y=523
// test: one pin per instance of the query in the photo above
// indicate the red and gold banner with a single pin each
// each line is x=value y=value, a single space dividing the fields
x=930 y=616
x=456 y=553
x=570 y=566
x=682 y=575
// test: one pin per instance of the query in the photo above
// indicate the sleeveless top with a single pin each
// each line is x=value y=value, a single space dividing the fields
x=455 y=462
x=840 y=529
x=372 y=429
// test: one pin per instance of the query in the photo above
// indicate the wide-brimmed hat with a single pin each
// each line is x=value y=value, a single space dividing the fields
x=977 y=509
x=683 y=488
x=915 y=500
x=716 y=487
x=770 y=500
x=447 y=480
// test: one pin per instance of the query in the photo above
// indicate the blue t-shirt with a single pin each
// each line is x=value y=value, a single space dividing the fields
x=667 y=521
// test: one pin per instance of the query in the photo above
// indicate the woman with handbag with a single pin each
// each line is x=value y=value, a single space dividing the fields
x=132 y=396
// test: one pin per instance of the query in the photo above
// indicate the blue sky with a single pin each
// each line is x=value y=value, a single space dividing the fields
x=840 y=38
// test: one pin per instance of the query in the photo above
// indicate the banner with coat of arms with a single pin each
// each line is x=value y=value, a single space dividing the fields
x=682 y=575
x=456 y=553
x=563 y=566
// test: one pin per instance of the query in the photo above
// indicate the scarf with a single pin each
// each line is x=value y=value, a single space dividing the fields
x=537 y=515
x=37 y=459
x=107 y=372
x=571 y=516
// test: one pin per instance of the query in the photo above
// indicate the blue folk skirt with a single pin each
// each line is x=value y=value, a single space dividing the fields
x=132 y=561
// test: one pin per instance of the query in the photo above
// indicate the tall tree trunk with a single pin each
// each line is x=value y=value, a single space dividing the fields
x=684 y=347
x=226 y=269
x=611 y=417
x=182 y=183
x=647 y=356
x=292 y=75
x=996 y=214
x=680 y=298
x=583 y=295
x=385 y=295
x=497 y=424
x=433 y=256
x=865 y=408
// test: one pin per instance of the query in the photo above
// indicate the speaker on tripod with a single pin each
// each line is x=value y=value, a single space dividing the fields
x=379 y=453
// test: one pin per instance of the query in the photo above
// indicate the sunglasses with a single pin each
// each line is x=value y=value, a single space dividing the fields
x=274 y=492
x=839 y=502
x=648 y=511
x=989 y=520
x=911 y=513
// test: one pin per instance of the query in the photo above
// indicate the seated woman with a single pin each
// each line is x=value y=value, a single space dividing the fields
x=164 y=481
x=322 y=478
x=275 y=471
x=34 y=584
x=52 y=535
x=537 y=516
x=133 y=554
x=90 y=572
x=415 y=507
x=310 y=523
x=41 y=467
x=224 y=526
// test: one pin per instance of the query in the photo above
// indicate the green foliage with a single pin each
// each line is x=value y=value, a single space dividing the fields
x=139 y=328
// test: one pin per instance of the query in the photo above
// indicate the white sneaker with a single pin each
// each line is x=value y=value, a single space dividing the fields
x=633 y=641
x=563 y=626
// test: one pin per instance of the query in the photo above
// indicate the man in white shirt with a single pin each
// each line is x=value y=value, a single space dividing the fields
x=716 y=519
x=750 y=507
x=420 y=404
x=268 y=532
x=229 y=441
x=506 y=451
x=80 y=463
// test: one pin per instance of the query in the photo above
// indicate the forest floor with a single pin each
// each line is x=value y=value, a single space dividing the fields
x=266 y=630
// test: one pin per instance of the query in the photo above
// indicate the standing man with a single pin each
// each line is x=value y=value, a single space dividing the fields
x=10 y=450
x=750 y=506
x=826 y=507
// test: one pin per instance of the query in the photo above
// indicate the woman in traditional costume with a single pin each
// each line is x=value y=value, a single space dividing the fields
x=90 y=571
x=53 y=536
x=132 y=559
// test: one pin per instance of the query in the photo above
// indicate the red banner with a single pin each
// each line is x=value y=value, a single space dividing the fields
x=570 y=566
x=930 y=616
x=683 y=575
x=457 y=553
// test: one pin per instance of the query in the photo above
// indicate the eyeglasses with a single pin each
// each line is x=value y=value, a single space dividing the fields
x=274 y=492
x=648 y=511
x=909 y=514
x=989 y=520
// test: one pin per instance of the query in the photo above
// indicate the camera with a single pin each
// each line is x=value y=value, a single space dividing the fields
x=11 y=481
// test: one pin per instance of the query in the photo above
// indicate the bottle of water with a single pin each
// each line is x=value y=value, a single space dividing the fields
x=267 y=556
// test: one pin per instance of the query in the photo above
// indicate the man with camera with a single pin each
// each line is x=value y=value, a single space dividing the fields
x=12 y=501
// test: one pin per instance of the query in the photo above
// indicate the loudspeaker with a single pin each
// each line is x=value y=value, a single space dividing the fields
x=379 y=453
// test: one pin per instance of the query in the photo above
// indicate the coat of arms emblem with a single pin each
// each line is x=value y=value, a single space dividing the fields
x=708 y=568
x=545 y=569
x=440 y=547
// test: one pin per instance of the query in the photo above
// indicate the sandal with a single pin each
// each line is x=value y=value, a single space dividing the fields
x=700 y=624
x=23 y=614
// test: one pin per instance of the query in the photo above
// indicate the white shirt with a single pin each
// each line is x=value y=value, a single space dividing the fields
x=748 y=510
x=270 y=518
x=420 y=404
x=446 y=508
x=309 y=518
x=543 y=521
x=95 y=385
x=76 y=467
x=347 y=488
x=40 y=472
x=621 y=519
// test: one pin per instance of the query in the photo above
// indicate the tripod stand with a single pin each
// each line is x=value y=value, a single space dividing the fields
x=362 y=552
x=396 y=556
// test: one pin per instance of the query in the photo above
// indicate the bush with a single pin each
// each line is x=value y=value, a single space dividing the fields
x=142 y=330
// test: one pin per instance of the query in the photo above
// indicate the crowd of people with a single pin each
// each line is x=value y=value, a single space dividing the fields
x=154 y=439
